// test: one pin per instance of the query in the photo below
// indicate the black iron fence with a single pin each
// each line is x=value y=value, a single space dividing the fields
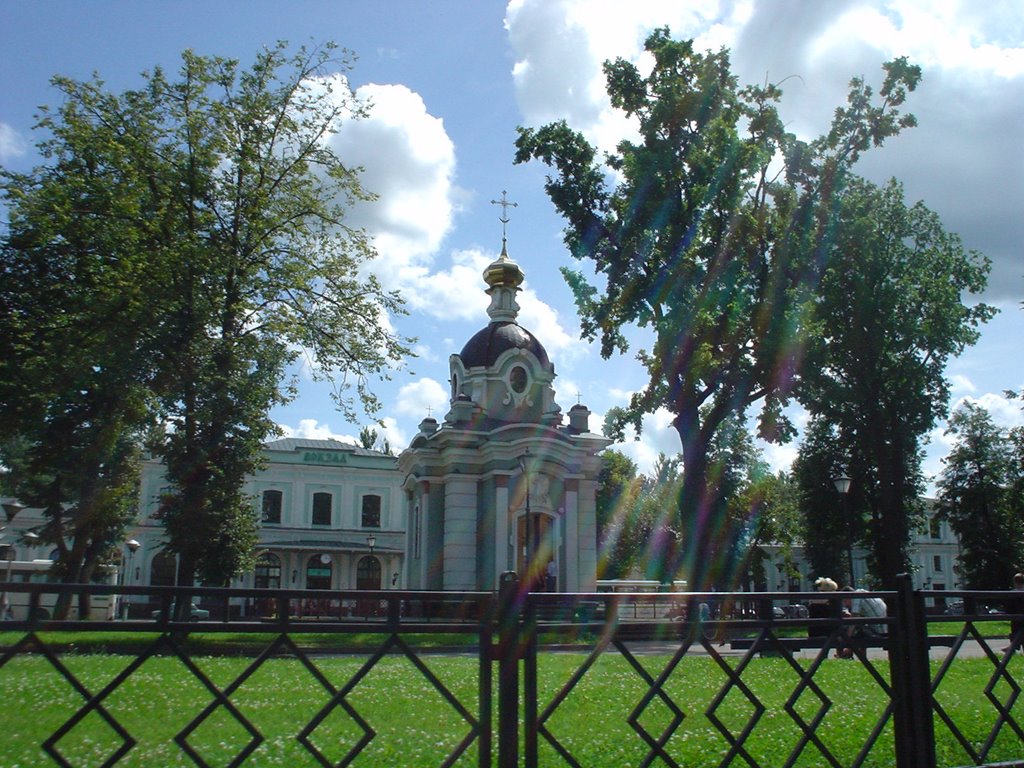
x=542 y=679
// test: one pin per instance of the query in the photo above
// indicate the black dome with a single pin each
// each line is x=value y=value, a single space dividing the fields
x=488 y=344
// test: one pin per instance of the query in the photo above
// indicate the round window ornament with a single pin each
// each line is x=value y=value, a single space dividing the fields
x=325 y=559
x=518 y=378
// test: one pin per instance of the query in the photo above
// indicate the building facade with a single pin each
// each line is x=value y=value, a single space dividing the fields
x=934 y=557
x=331 y=517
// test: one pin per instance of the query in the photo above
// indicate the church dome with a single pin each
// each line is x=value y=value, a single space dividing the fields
x=488 y=344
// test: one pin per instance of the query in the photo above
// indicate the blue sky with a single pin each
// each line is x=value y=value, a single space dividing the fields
x=451 y=79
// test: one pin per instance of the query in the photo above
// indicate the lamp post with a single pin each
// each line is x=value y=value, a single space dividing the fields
x=842 y=484
x=5 y=609
x=371 y=542
x=133 y=546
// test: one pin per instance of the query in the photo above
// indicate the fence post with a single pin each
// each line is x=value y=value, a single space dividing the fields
x=509 y=611
x=913 y=727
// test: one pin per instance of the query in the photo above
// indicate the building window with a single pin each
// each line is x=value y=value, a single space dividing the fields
x=268 y=571
x=371 y=511
x=272 y=503
x=937 y=563
x=368 y=573
x=933 y=527
x=518 y=379
x=321 y=509
x=318 y=572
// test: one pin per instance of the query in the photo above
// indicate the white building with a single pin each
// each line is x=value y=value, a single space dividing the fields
x=332 y=517
x=934 y=555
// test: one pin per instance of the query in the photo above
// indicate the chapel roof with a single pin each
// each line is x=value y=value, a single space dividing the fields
x=489 y=343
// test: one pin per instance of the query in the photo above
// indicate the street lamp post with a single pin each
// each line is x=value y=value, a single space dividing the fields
x=371 y=542
x=133 y=546
x=5 y=609
x=842 y=484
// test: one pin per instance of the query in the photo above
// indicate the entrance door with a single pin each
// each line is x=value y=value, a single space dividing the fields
x=368 y=573
x=368 y=577
x=540 y=526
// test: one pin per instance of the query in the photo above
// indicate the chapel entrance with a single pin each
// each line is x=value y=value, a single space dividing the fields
x=540 y=528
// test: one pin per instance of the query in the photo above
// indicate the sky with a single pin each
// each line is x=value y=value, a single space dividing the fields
x=450 y=80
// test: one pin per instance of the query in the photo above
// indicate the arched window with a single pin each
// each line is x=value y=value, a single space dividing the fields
x=268 y=571
x=368 y=573
x=321 y=509
x=318 y=572
x=163 y=570
x=272 y=503
x=371 y=511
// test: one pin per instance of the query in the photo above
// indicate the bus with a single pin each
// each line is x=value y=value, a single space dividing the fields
x=14 y=606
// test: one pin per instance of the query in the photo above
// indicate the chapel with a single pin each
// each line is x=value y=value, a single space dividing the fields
x=503 y=483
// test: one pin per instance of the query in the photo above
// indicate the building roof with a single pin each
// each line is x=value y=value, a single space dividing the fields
x=303 y=444
x=488 y=344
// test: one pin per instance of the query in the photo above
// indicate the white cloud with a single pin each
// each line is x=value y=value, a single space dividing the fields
x=961 y=383
x=970 y=103
x=408 y=161
x=545 y=322
x=311 y=429
x=425 y=393
x=560 y=46
x=951 y=36
x=455 y=293
x=657 y=436
x=1004 y=412
x=394 y=434
x=12 y=144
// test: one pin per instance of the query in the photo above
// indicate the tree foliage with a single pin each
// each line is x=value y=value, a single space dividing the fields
x=694 y=236
x=981 y=493
x=76 y=337
x=210 y=209
x=888 y=316
x=826 y=523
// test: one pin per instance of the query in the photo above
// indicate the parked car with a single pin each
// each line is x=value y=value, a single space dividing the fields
x=195 y=614
x=956 y=608
x=795 y=611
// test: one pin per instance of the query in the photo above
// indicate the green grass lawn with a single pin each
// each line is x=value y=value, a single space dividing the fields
x=416 y=726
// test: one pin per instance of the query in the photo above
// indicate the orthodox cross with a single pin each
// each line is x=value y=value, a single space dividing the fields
x=505 y=205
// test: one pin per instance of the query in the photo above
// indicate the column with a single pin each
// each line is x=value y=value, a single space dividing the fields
x=572 y=573
x=586 y=529
x=459 y=533
x=501 y=528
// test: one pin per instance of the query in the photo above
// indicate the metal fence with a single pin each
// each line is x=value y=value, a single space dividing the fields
x=665 y=679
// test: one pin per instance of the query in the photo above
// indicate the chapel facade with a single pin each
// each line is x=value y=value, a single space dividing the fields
x=502 y=484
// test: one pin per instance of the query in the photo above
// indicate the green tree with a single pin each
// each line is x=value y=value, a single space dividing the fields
x=979 y=493
x=76 y=352
x=826 y=527
x=758 y=508
x=695 y=237
x=233 y=216
x=889 y=315
x=616 y=490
